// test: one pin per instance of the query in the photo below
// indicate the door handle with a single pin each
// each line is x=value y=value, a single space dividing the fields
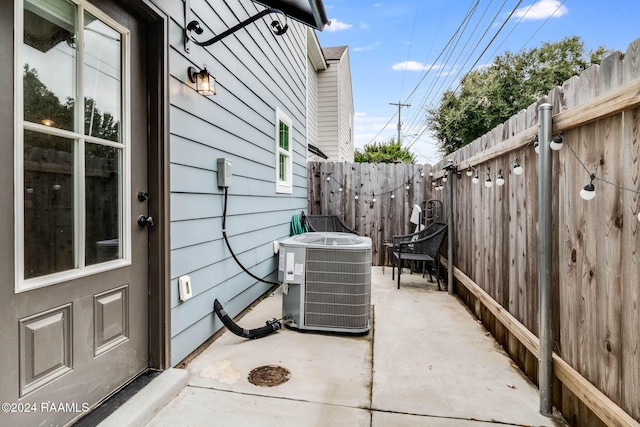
x=145 y=221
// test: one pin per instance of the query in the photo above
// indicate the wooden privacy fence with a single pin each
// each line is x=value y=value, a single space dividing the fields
x=596 y=247
x=375 y=199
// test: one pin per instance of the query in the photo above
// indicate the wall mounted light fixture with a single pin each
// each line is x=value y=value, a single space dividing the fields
x=205 y=83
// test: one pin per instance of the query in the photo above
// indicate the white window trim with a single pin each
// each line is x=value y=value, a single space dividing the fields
x=285 y=187
x=22 y=285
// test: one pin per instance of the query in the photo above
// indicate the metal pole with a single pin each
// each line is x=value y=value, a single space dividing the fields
x=450 y=234
x=545 y=363
x=399 y=105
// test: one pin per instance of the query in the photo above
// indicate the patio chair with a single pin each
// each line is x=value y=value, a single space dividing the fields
x=422 y=246
x=328 y=223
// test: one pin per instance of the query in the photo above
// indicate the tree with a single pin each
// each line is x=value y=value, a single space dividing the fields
x=390 y=151
x=490 y=95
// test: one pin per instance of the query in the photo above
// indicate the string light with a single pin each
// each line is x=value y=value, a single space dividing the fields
x=340 y=189
x=328 y=178
x=469 y=171
x=589 y=191
x=517 y=169
x=356 y=197
x=444 y=178
x=500 y=179
x=393 y=196
x=556 y=143
x=408 y=186
x=536 y=147
x=476 y=179
x=488 y=183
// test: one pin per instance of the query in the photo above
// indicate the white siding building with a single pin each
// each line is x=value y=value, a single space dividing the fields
x=335 y=106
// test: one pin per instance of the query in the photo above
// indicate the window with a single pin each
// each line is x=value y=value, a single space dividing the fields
x=284 y=161
x=71 y=142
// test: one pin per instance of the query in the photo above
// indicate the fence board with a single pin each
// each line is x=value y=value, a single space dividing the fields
x=630 y=260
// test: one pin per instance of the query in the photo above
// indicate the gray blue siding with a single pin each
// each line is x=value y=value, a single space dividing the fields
x=256 y=72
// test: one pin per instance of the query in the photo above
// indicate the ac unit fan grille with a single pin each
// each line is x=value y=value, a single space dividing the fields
x=338 y=288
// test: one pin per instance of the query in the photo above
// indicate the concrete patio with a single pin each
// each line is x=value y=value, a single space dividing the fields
x=425 y=362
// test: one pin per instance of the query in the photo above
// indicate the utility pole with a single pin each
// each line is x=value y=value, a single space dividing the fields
x=399 y=105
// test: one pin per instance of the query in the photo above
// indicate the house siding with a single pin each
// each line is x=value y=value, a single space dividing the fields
x=328 y=112
x=345 y=99
x=312 y=104
x=256 y=72
x=335 y=108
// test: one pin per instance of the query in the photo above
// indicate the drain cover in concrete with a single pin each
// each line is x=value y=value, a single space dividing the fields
x=269 y=375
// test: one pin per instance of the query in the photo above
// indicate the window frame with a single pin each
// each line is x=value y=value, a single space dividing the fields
x=286 y=186
x=80 y=142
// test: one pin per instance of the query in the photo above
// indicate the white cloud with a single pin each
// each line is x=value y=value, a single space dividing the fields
x=412 y=66
x=366 y=48
x=336 y=26
x=541 y=9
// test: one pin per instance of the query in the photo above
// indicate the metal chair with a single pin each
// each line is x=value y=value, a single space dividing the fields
x=422 y=246
x=329 y=223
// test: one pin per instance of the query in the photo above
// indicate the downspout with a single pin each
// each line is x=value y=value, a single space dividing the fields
x=545 y=363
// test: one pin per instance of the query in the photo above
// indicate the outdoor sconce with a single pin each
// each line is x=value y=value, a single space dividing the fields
x=309 y=12
x=205 y=83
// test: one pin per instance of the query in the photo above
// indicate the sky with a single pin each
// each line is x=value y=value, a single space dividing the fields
x=410 y=51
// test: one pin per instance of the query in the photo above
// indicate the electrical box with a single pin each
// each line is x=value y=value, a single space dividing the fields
x=184 y=285
x=224 y=172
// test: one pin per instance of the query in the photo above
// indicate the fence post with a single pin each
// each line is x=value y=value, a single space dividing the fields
x=545 y=363
x=450 y=232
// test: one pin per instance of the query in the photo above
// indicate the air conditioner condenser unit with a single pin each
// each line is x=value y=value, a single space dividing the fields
x=326 y=282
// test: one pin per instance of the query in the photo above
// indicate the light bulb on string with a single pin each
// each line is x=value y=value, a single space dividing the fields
x=488 y=183
x=408 y=186
x=356 y=197
x=589 y=191
x=328 y=178
x=500 y=179
x=536 y=147
x=340 y=189
x=517 y=169
x=469 y=171
x=556 y=143
x=434 y=183
x=475 y=179
x=393 y=196
x=444 y=178
x=374 y=198
x=421 y=173
x=638 y=216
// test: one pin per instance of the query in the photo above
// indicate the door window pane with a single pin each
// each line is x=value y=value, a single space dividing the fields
x=103 y=170
x=48 y=204
x=102 y=80
x=49 y=68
